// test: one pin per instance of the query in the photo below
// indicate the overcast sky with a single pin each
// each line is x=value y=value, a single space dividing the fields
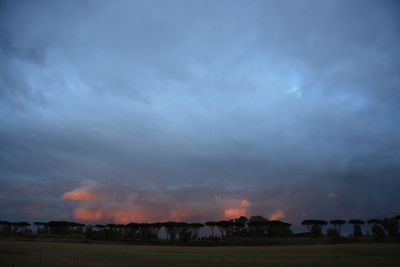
x=121 y=111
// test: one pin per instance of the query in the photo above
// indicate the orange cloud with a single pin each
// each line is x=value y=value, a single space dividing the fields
x=97 y=203
x=125 y=211
x=242 y=210
x=244 y=204
x=234 y=213
x=86 y=192
x=79 y=195
x=125 y=217
x=120 y=215
x=279 y=214
x=85 y=214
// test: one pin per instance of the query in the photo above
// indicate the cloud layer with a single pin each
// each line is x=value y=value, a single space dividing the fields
x=100 y=203
x=191 y=110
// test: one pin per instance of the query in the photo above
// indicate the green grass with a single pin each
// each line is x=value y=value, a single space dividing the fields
x=23 y=253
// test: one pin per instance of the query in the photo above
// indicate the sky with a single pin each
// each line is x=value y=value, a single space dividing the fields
x=145 y=111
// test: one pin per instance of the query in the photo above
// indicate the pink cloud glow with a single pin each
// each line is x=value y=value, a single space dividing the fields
x=86 y=214
x=279 y=214
x=86 y=192
x=120 y=214
x=242 y=210
x=98 y=203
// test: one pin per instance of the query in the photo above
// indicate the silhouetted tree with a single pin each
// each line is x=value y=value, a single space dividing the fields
x=338 y=225
x=119 y=228
x=212 y=225
x=111 y=226
x=239 y=226
x=59 y=227
x=184 y=231
x=195 y=228
x=155 y=228
x=314 y=226
x=111 y=232
x=23 y=226
x=170 y=228
x=391 y=226
x=377 y=229
x=14 y=227
x=332 y=232
x=308 y=224
x=228 y=227
x=357 y=227
x=242 y=219
x=257 y=226
x=76 y=227
x=99 y=227
x=5 y=227
x=39 y=227
x=277 y=228
x=89 y=231
x=145 y=232
x=221 y=227
x=132 y=230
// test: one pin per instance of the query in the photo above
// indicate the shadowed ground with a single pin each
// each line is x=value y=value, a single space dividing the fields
x=21 y=253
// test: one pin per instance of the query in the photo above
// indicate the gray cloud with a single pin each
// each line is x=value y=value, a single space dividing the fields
x=278 y=103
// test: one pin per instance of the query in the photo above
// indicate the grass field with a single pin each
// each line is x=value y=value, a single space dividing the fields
x=21 y=253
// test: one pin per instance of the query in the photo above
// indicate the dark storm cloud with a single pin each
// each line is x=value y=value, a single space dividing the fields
x=269 y=107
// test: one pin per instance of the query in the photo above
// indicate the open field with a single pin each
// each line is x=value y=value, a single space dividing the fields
x=24 y=253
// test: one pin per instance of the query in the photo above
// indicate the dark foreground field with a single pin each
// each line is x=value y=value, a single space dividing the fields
x=21 y=253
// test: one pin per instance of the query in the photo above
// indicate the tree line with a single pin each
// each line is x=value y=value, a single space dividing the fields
x=379 y=228
x=255 y=227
